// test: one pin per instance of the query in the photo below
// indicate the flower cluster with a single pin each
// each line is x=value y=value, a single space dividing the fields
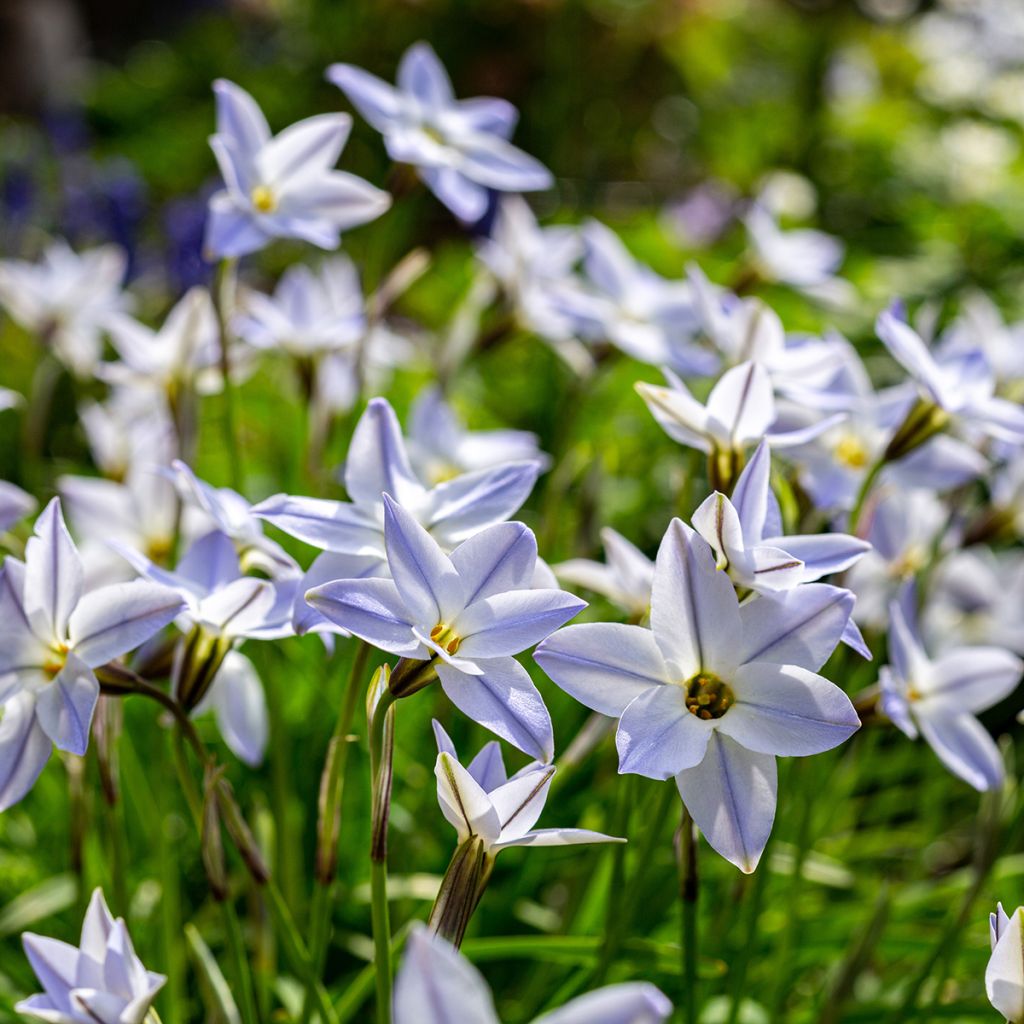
x=846 y=550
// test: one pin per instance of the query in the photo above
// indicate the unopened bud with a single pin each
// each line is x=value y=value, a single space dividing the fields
x=197 y=660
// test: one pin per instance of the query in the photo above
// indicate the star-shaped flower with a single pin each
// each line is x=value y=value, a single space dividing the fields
x=713 y=691
x=466 y=615
x=281 y=186
x=459 y=147
x=101 y=981
x=939 y=699
x=52 y=635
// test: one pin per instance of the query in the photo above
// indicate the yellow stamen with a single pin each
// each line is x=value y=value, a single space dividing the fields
x=263 y=199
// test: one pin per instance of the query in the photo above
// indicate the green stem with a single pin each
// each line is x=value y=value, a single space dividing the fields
x=223 y=296
x=739 y=967
x=332 y=791
x=617 y=886
x=380 y=773
x=240 y=963
x=862 y=495
x=689 y=890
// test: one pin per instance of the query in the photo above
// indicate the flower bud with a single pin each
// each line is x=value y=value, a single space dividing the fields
x=196 y=662
x=922 y=423
x=461 y=889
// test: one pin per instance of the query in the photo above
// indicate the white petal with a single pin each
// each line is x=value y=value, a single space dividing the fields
x=694 y=612
x=731 y=795
x=782 y=709
x=965 y=748
x=53 y=574
x=24 y=749
x=464 y=803
x=65 y=707
x=658 y=736
x=604 y=665
x=1004 y=975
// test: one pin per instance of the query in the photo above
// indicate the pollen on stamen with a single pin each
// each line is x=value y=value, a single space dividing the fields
x=453 y=645
x=263 y=199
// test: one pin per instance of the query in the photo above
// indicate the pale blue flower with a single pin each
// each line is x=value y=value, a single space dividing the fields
x=441 y=447
x=960 y=383
x=438 y=985
x=746 y=535
x=481 y=801
x=281 y=186
x=939 y=699
x=641 y=313
x=101 y=981
x=181 y=356
x=625 y=577
x=378 y=461
x=803 y=258
x=66 y=298
x=310 y=313
x=459 y=147
x=466 y=614
x=714 y=690
x=740 y=411
x=53 y=633
x=1004 y=975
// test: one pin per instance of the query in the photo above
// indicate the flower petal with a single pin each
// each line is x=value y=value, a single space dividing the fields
x=511 y=622
x=604 y=665
x=464 y=802
x=115 y=619
x=797 y=627
x=426 y=579
x=462 y=507
x=65 y=707
x=741 y=406
x=731 y=796
x=495 y=560
x=971 y=678
x=782 y=709
x=437 y=985
x=371 y=609
x=24 y=749
x=635 y=1002
x=377 y=101
x=377 y=460
x=329 y=525
x=823 y=554
x=504 y=700
x=53 y=574
x=965 y=748
x=694 y=612
x=1004 y=975
x=657 y=735
x=241 y=708
x=422 y=75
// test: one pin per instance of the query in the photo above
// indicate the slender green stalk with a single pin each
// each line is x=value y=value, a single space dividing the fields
x=223 y=299
x=742 y=958
x=689 y=890
x=279 y=751
x=380 y=773
x=617 y=886
x=240 y=963
x=862 y=495
x=332 y=791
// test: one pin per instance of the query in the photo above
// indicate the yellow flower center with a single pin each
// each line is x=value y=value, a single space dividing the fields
x=443 y=636
x=850 y=451
x=911 y=562
x=707 y=696
x=263 y=199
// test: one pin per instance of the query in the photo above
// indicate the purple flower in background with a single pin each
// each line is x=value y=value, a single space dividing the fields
x=466 y=614
x=714 y=690
x=15 y=504
x=52 y=635
x=101 y=981
x=940 y=698
x=282 y=186
x=459 y=147
x=438 y=985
